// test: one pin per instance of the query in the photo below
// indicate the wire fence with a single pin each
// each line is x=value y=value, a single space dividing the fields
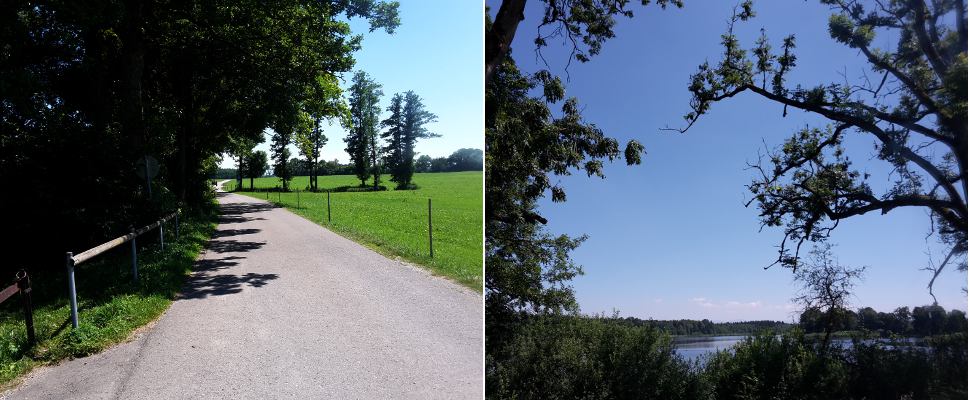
x=301 y=199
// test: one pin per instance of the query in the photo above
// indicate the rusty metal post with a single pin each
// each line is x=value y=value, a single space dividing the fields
x=134 y=256
x=430 y=237
x=23 y=282
x=71 y=288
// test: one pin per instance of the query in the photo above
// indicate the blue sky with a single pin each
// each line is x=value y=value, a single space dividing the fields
x=438 y=51
x=671 y=238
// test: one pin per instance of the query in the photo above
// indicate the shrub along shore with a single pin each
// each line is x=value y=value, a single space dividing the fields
x=569 y=357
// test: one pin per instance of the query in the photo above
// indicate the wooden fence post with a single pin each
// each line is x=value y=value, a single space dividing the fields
x=23 y=282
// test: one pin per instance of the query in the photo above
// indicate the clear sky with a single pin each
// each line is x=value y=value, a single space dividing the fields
x=438 y=52
x=671 y=238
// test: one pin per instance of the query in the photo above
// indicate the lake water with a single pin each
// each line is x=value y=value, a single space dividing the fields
x=697 y=347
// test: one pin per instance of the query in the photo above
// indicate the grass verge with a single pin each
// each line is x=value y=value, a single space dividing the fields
x=395 y=222
x=110 y=305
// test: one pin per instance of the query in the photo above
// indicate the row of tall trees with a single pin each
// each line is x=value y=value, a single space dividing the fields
x=255 y=164
x=404 y=126
x=99 y=85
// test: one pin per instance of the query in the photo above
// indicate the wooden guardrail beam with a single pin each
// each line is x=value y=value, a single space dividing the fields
x=101 y=248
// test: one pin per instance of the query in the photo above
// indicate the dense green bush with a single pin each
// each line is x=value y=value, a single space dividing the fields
x=768 y=366
x=569 y=357
x=557 y=357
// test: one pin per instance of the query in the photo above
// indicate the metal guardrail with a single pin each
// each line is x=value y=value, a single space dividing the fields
x=22 y=285
x=73 y=260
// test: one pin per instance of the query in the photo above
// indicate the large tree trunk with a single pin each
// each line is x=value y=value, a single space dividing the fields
x=829 y=326
x=133 y=56
x=498 y=40
x=239 y=177
x=181 y=162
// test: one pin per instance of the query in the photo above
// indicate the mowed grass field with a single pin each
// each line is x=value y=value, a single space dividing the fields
x=395 y=222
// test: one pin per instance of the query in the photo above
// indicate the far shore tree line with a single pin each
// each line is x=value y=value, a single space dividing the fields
x=921 y=321
x=707 y=327
x=256 y=165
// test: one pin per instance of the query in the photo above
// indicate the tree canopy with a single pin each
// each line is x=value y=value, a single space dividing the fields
x=98 y=85
x=586 y=24
x=362 y=139
x=406 y=125
x=914 y=108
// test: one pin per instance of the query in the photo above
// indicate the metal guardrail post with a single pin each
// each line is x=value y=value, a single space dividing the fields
x=134 y=256
x=71 y=288
x=23 y=282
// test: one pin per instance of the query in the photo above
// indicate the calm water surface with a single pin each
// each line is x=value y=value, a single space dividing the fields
x=695 y=347
x=700 y=347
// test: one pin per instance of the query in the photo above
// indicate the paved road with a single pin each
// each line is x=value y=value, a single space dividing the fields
x=282 y=308
x=220 y=183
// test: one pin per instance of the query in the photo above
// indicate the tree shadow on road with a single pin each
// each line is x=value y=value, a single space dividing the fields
x=204 y=285
x=207 y=281
x=233 y=246
x=234 y=232
x=211 y=265
x=239 y=212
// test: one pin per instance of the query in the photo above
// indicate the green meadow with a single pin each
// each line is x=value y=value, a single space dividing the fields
x=395 y=222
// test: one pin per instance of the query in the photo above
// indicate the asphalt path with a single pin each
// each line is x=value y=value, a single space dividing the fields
x=280 y=307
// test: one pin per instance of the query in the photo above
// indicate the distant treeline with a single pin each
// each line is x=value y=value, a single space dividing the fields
x=922 y=321
x=706 y=327
x=460 y=160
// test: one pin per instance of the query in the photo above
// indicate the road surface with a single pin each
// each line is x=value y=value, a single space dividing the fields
x=280 y=307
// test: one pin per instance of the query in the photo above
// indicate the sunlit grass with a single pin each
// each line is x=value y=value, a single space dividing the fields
x=395 y=222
